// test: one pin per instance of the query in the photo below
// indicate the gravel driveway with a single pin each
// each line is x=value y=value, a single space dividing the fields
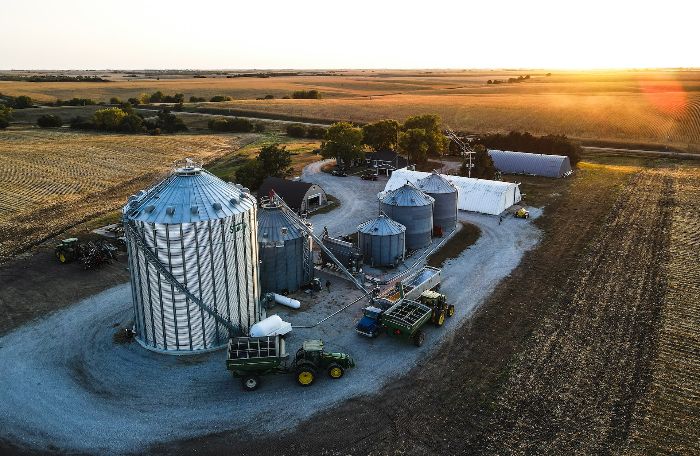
x=64 y=384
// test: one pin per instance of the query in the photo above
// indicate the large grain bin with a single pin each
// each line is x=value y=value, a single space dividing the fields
x=382 y=241
x=286 y=261
x=203 y=232
x=413 y=209
x=445 y=196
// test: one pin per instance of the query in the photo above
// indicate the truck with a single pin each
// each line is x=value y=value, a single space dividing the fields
x=250 y=358
x=403 y=319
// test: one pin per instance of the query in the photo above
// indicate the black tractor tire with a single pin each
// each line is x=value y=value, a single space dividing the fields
x=250 y=382
x=440 y=320
x=305 y=374
x=335 y=371
x=450 y=310
x=418 y=338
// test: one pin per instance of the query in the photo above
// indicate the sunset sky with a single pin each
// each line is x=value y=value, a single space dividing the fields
x=208 y=34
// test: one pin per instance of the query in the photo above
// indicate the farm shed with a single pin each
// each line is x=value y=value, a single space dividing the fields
x=533 y=164
x=300 y=196
x=475 y=195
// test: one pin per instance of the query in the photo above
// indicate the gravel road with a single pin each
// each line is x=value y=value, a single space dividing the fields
x=65 y=385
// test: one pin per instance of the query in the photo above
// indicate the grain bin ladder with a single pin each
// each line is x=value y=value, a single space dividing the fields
x=152 y=258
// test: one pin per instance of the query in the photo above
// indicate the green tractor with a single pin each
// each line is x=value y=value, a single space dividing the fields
x=68 y=250
x=438 y=303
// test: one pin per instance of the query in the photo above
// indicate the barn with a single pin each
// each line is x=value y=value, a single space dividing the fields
x=509 y=162
x=298 y=195
x=474 y=195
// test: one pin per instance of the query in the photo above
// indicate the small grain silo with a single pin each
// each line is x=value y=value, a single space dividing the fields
x=445 y=196
x=286 y=261
x=201 y=232
x=413 y=209
x=382 y=241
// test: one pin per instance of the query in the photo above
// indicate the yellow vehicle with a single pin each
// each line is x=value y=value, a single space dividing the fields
x=522 y=213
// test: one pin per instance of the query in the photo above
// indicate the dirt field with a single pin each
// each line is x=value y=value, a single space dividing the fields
x=586 y=348
x=655 y=107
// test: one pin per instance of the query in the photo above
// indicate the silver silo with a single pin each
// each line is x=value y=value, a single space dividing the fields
x=204 y=234
x=382 y=241
x=445 y=196
x=286 y=261
x=413 y=209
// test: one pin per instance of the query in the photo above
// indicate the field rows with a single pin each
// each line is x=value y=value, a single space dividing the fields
x=668 y=418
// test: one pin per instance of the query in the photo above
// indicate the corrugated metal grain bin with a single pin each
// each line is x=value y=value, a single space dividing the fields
x=413 y=209
x=445 y=196
x=204 y=232
x=382 y=241
x=286 y=261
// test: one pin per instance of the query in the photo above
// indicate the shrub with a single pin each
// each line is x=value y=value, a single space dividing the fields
x=115 y=100
x=306 y=94
x=22 y=102
x=233 y=125
x=220 y=98
x=296 y=130
x=259 y=127
x=316 y=132
x=49 y=121
x=194 y=99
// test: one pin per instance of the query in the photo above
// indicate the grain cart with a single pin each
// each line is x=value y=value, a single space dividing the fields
x=403 y=319
x=250 y=358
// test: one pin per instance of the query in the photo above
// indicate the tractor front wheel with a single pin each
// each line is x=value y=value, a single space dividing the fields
x=440 y=320
x=450 y=310
x=306 y=375
x=418 y=338
x=335 y=371
x=250 y=382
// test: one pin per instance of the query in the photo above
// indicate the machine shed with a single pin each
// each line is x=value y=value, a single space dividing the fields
x=299 y=196
x=531 y=164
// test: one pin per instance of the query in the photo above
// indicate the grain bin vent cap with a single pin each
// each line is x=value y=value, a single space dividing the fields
x=406 y=195
x=381 y=226
x=435 y=183
x=189 y=195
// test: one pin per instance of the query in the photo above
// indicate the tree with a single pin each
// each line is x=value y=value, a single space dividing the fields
x=115 y=100
x=156 y=97
x=343 y=142
x=236 y=125
x=296 y=130
x=272 y=160
x=132 y=123
x=22 y=102
x=5 y=116
x=316 y=132
x=381 y=135
x=220 y=98
x=431 y=124
x=169 y=122
x=49 y=121
x=483 y=167
x=415 y=143
x=108 y=119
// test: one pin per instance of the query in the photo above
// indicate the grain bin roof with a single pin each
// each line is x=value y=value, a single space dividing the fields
x=435 y=183
x=526 y=163
x=381 y=226
x=190 y=194
x=292 y=192
x=276 y=226
x=406 y=195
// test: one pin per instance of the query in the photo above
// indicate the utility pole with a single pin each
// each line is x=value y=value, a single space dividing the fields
x=466 y=149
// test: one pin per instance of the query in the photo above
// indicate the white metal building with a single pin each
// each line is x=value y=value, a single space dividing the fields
x=475 y=195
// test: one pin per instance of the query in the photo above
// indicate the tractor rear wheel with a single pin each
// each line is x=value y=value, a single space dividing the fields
x=335 y=371
x=418 y=338
x=306 y=374
x=450 y=310
x=440 y=320
x=250 y=382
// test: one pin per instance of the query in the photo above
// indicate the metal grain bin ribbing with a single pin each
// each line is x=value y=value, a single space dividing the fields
x=445 y=196
x=413 y=209
x=286 y=261
x=382 y=241
x=203 y=231
x=532 y=164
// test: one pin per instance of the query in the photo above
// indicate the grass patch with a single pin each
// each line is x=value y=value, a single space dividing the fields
x=333 y=204
x=461 y=241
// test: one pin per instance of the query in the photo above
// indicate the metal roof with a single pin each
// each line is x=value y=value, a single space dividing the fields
x=190 y=194
x=276 y=226
x=534 y=164
x=406 y=195
x=435 y=183
x=381 y=226
x=292 y=192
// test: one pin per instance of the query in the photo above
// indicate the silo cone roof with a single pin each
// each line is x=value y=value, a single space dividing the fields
x=189 y=195
x=276 y=226
x=381 y=226
x=406 y=195
x=435 y=183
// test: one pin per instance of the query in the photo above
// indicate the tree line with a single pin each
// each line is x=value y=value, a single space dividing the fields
x=527 y=142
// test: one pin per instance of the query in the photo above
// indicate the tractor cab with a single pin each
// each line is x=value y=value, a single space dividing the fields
x=310 y=350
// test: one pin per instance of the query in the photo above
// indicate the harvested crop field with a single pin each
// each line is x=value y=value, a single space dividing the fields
x=590 y=346
x=53 y=180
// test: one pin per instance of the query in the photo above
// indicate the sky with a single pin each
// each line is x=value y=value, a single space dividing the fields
x=301 y=34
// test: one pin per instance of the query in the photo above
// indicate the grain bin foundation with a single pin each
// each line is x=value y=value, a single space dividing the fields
x=203 y=231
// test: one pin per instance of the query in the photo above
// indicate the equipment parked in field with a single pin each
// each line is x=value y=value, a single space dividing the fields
x=249 y=358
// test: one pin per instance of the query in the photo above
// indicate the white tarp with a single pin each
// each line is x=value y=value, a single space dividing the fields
x=475 y=195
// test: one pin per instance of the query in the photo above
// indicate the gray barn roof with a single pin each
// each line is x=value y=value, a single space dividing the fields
x=381 y=226
x=292 y=192
x=534 y=164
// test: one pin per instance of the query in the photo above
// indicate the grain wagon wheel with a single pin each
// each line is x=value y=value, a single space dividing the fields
x=418 y=338
x=250 y=382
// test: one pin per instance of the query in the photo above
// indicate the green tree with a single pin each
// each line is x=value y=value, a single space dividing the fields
x=343 y=142
x=5 y=116
x=115 y=100
x=132 y=123
x=22 y=102
x=431 y=124
x=156 y=97
x=415 y=143
x=483 y=167
x=108 y=119
x=381 y=135
x=296 y=130
x=169 y=122
x=49 y=121
x=275 y=161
